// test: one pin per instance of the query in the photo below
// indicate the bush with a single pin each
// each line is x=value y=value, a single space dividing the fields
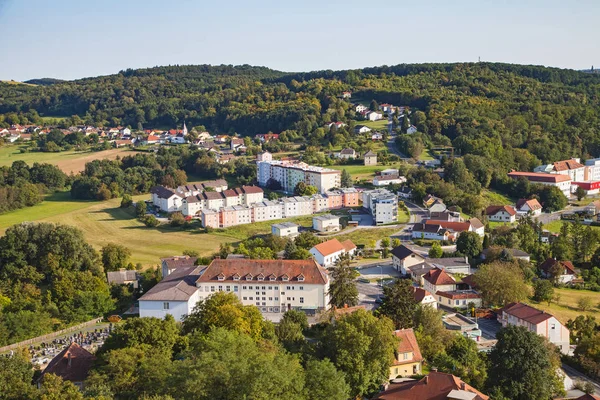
x=126 y=201
x=177 y=219
x=150 y=221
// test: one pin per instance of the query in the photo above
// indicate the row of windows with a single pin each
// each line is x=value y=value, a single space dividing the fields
x=235 y=288
x=258 y=298
x=270 y=299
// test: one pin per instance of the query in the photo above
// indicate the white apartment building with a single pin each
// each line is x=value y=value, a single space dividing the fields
x=166 y=199
x=537 y=321
x=592 y=169
x=267 y=210
x=284 y=229
x=320 y=203
x=289 y=174
x=571 y=168
x=296 y=206
x=382 y=204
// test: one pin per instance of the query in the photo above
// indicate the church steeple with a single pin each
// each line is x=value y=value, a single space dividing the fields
x=184 y=131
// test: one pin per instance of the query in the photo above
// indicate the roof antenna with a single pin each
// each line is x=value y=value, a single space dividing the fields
x=479 y=59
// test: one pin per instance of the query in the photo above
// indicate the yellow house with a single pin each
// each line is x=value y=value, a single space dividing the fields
x=408 y=360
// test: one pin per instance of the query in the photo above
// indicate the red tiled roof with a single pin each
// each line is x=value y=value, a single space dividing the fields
x=533 y=204
x=348 y=245
x=588 y=397
x=540 y=176
x=549 y=263
x=347 y=310
x=455 y=226
x=420 y=294
x=333 y=246
x=408 y=342
x=526 y=313
x=230 y=193
x=212 y=195
x=439 y=277
x=252 y=189
x=435 y=386
x=566 y=165
x=456 y=295
x=292 y=269
x=76 y=370
x=152 y=137
x=493 y=210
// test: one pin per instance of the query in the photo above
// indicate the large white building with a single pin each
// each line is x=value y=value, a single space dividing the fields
x=571 y=168
x=536 y=321
x=382 y=204
x=289 y=174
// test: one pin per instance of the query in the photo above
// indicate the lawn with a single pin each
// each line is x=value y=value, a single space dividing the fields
x=363 y=171
x=493 y=197
x=105 y=222
x=426 y=156
x=363 y=236
x=403 y=216
x=382 y=124
x=68 y=161
x=497 y=224
x=567 y=307
x=554 y=226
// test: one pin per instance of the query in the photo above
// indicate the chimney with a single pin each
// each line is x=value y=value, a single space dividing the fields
x=463 y=386
x=466 y=260
x=69 y=362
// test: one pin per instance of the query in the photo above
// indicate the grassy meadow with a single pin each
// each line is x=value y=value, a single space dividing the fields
x=567 y=305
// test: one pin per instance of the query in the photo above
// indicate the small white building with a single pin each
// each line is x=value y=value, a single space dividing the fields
x=528 y=207
x=327 y=253
x=264 y=156
x=176 y=295
x=374 y=116
x=501 y=213
x=284 y=229
x=385 y=180
x=326 y=223
x=166 y=199
x=346 y=154
x=361 y=129
x=425 y=298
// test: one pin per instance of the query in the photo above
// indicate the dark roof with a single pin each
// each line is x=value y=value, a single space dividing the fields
x=252 y=189
x=420 y=269
x=347 y=151
x=179 y=261
x=434 y=228
x=370 y=154
x=448 y=261
x=212 y=195
x=588 y=397
x=179 y=285
x=120 y=277
x=526 y=313
x=307 y=271
x=549 y=263
x=435 y=386
x=403 y=252
x=162 y=192
x=76 y=370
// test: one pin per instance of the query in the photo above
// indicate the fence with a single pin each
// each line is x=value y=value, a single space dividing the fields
x=49 y=336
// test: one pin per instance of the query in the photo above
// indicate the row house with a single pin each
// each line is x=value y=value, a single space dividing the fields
x=297 y=206
x=235 y=215
x=266 y=210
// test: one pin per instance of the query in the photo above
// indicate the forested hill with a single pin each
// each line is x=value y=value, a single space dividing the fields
x=483 y=108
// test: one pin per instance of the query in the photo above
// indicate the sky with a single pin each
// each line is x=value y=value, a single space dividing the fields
x=71 y=39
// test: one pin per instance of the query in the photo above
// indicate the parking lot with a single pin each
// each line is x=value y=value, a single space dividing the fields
x=489 y=327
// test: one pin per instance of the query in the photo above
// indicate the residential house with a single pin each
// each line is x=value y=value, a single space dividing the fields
x=407 y=357
x=151 y=139
x=267 y=137
x=411 y=129
x=438 y=280
x=346 y=154
x=437 y=206
x=528 y=207
x=326 y=223
x=435 y=386
x=72 y=364
x=431 y=231
x=388 y=179
x=405 y=192
x=327 y=253
x=501 y=213
x=284 y=229
x=374 y=116
x=472 y=225
x=362 y=129
x=264 y=156
x=338 y=125
x=459 y=298
x=210 y=218
x=170 y=264
x=123 y=277
x=446 y=215
x=350 y=197
x=376 y=136
x=418 y=271
x=423 y=297
x=403 y=258
x=588 y=397
x=320 y=203
x=563 y=182
x=237 y=144
x=221 y=139
x=536 y=321
x=346 y=95
x=370 y=158
x=176 y=294
x=561 y=271
x=360 y=108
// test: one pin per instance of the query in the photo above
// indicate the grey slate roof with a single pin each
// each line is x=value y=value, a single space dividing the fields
x=120 y=277
x=180 y=285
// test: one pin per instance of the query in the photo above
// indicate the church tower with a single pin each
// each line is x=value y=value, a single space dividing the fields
x=184 y=131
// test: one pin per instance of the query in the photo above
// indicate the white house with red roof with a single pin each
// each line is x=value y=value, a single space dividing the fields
x=425 y=298
x=528 y=207
x=501 y=213
x=327 y=253
x=540 y=322
x=562 y=271
x=438 y=280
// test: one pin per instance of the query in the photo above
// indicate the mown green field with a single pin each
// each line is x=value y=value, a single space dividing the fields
x=567 y=306
x=363 y=236
x=363 y=171
x=382 y=124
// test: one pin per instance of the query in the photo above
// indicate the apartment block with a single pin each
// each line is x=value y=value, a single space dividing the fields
x=289 y=174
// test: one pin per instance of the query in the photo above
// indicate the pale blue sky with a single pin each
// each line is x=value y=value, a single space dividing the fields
x=71 y=39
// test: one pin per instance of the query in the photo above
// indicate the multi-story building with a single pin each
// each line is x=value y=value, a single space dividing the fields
x=297 y=206
x=289 y=174
x=264 y=156
x=335 y=199
x=592 y=169
x=210 y=218
x=166 y=199
x=274 y=286
x=234 y=215
x=382 y=204
x=267 y=210
x=537 y=321
x=350 y=197
x=408 y=359
x=563 y=182
x=326 y=223
x=571 y=168
x=320 y=203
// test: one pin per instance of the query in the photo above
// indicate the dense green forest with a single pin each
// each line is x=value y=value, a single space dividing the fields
x=484 y=109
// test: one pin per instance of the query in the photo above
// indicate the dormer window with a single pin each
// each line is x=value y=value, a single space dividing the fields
x=300 y=278
x=272 y=277
x=221 y=277
x=261 y=277
x=249 y=277
x=236 y=277
x=285 y=278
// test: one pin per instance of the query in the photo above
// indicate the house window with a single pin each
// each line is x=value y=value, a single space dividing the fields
x=405 y=356
x=250 y=298
x=264 y=304
x=276 y=298
x=457 y=302
x=289 y=298
x=250 y=287
x=212 y=288
x=301 y=288
x=288 y=288
x=221 y=278
x=236 y=278
x=264 y=288
x=166 y=305
x=245 y=298
x=258 y=293
x=228 y=288
x=270 y=299
x=301 y=300
x=270 y=287
x=244 y=287
x=258 y=303
x=235 y=288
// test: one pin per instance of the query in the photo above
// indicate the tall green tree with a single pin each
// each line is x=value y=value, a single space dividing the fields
x=543 y=290
x=436 y=250
x=346 y=179
x=469 y=244
x=362 y=347
x=324 y=381
x=501 y=283
x=399 y=303
x=115 y=256
x=342 y=289
x=16 y=375
x=463 y=358
x=522 y=366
